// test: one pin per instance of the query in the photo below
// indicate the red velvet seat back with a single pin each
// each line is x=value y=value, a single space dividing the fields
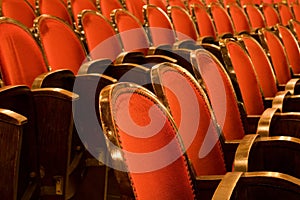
x=178 y=3
x=18 y=10
x=61 y=45
x=160 y=26
x=278 y=56
x=142 y=128
x=285 y=13
x=239 y=18
x=262 y=65
x=107 y=6
x=183 y=24
x=255 y=16
x=222 y=20
x=295 y=27
x=193 y=116
x=159 y=3
x=271 y=15
x=296 y=10
x=291 y=46
x=198 y=2
x=221 y=93
x=100 y=36
x=246 y=77
x=56 y=8
x=205 y=24
x=76 y=6
x=21 y=59
x=136 y=8
x=133 y=35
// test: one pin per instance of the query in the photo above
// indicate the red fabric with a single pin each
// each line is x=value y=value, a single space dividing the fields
x=229 y=2
x=159 y=3
x=62 y=47
x=79 y=5
x=132 y=33
x=239 y=18
x=18 y=10
x=100 y=36
x=246 y=78
x=271 y=15
x=222 y=20
x=255 y=16
x=160 y=27
x=204 y=22
x=107 y=6
x=193 y=119
x=198 y=2
x=262 y=66
x=278 y=56
x=292 y=48
x=169 y=182
x=56 y=8
x=296 y=28
x=246 y=2
x=296 y=10
x=219 y=87
x=183 y=24
x=136 y=8
x=177 y=3
x=285 y=14
x=21 y=59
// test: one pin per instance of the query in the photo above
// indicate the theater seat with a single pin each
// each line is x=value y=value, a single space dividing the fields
x=133 y=147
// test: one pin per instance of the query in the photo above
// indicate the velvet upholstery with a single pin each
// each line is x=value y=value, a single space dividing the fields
x=219 y=86
x=177 y=3
x=285 y=13
x=296 y=10
x=291 y=46
x=262 y=65
x=246 y=77
x=159 y=3
x=20 y=55
x=278 y=56
x=183 y=24
x=160 y=26
x=193 y=116
x=107 y=6
x=76 y=6
x=100 y=36
x=205 y=24
x=132 y=33
x=128 y=109
x=56 y=8
x=255 y=16
x=222 y=20
x=135 y=7
x=271 y=15
x=61 y=45
x=18 y=10
x=239 y=18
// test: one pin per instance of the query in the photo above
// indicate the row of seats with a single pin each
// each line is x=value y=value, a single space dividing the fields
x=59 y=47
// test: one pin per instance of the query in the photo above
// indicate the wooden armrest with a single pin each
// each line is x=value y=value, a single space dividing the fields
x=63 y=78
x=95 y=66
x=293 y=86
x=252 y=123
x=229 y=149
x=205 y=186
x=141 y=59
x=277 y=154
x=258 y=185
